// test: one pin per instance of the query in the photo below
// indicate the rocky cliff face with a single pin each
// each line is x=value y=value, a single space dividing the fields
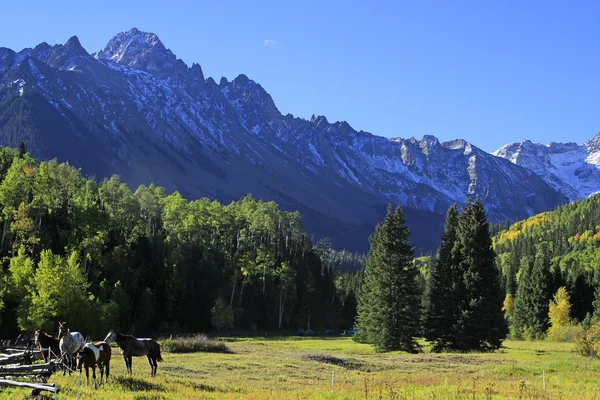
x=134 y=109
x=569 y=168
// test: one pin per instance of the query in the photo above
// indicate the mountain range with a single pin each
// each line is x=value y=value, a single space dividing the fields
x=134 y=109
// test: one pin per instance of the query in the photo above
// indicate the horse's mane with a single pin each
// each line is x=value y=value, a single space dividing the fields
x=124 y=336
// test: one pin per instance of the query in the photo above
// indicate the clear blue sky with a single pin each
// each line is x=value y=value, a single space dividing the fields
x=490 y=72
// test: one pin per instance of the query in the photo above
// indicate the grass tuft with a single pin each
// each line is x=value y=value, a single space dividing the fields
x=195 y=344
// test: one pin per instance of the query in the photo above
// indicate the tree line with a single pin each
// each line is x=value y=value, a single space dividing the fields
x=103 y=257
x=548 y=257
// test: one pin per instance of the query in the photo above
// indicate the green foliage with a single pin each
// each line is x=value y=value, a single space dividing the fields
x=481 y=324
x=442 y=295
x=222 y=315
x=102 y=257
x=464 y=298
x=533 y=295
x=194 y=344
x=588 y=343
x=59 y=292
x=389 y=302
x=571 y=236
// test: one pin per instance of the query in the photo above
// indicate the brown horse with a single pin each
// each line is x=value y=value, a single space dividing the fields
x=46 y=341
x=95 y=354
x=134 y=347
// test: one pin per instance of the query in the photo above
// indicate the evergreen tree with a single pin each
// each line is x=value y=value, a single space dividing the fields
x=533 y=296
x=481 y=324
x=441 y=298
x=389 y=302
x=22 y=150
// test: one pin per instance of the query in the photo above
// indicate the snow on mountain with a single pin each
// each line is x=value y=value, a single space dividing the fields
x=134 y=109
x=569 y=168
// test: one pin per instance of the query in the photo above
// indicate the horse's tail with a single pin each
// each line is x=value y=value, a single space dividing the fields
x=158 y=356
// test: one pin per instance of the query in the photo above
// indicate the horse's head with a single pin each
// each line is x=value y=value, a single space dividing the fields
x=63 y=330
x=79 y=360
x=36 y=336
x=111 y=337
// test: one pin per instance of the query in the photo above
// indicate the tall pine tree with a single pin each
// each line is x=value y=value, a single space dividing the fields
x=533 y=295
x=442 y=295
x=389 y=301
x=481 y=324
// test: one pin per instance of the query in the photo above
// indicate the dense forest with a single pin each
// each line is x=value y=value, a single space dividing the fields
x=539 y=255
x=147 y=262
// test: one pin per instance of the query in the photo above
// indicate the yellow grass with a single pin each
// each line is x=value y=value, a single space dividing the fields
x=303 y=368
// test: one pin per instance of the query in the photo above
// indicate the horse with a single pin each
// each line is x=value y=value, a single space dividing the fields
x=95 y=354
x=46 y=341
x=134 y=347
x=70 y=343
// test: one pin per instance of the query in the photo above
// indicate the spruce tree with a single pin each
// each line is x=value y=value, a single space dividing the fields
x=22 y=150
x=481 y=324
x=441 y=298
x=389 y=301
x=533 y=296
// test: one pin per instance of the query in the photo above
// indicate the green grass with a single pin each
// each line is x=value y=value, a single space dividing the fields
x=301 y=368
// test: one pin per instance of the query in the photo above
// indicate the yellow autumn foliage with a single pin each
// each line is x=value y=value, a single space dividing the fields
x=562 y=329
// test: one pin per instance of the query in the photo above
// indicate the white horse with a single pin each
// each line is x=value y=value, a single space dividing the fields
x=70 y=343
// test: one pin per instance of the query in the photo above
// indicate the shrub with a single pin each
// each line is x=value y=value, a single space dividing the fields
x=588 y=343
x=194 y=344
x=569 y=333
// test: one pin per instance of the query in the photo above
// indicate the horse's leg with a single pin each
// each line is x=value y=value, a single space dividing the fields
x=94 y=374
x=65 y=362
x=87 y=375
x=154 y=359
x=151 y=366
x=107 y=370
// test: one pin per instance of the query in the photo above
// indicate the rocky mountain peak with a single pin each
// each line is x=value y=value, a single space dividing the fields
x=319 y=120
x=74 y=45
x=241 y=80
x=143 y=51
x=427 y=143
x=555 y=147
x=593 y=145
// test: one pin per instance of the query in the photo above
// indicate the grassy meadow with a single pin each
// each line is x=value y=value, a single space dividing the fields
x=302 y=368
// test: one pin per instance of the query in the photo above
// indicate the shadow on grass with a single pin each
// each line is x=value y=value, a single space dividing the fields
x=206 y=388
x=340 y=362
x=137 y=385
x=150 y=397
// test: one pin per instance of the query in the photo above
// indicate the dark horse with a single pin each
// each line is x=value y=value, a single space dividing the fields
x=134 y=347
x=46 y=341
x=95 y=354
